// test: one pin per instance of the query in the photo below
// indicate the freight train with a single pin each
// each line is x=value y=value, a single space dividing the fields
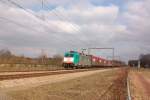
x=73 y=59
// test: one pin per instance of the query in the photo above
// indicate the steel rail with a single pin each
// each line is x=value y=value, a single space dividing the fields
x=28 y=75
x=128 y=89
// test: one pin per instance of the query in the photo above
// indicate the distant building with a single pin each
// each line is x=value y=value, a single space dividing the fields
x=133 y=63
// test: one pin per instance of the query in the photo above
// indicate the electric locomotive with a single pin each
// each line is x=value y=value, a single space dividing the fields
x=73 y=59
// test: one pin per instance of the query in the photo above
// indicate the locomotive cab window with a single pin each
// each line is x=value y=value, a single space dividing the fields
x=69 y=55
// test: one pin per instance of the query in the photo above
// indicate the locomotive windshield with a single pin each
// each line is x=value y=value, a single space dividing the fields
x=68 y=55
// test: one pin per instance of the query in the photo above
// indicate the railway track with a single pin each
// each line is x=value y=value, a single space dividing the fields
x=10 y=76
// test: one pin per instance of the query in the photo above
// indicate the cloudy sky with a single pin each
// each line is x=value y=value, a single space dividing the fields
x=60 y=25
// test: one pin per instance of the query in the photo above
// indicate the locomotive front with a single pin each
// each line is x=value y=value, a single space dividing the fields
x=71 y=59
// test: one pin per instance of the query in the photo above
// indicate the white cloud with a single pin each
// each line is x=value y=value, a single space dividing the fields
x=92 y=14
x=77 y=26
x=137 y=19
x=88 y=25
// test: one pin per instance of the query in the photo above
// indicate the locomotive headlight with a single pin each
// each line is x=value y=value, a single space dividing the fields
x=68 y=59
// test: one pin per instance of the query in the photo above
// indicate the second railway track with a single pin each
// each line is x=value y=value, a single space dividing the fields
x=38 y=74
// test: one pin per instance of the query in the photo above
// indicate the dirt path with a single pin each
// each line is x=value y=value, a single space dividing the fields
x=4 y=96
x=144 y=83
x=90 y=87
x=30 y=72
x=140 y=86
x=36 y=81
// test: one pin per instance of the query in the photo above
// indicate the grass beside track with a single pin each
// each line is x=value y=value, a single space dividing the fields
x=139 y=83
x=24 y=68
x=44 y=73
x=85 y=88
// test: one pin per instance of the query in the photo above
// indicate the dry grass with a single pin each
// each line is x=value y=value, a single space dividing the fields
x=85 y=88
x=27 y=67
x=143 y=71
x=136 y=85
x=120 y=85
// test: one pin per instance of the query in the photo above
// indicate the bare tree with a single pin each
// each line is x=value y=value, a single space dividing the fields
x=43 y=57
x=5 y=53
x=57 y=56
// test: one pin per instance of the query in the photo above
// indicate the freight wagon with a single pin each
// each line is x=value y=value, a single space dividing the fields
x=73 y=59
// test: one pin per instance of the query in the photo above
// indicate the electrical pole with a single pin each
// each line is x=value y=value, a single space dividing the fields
x=139 y=65
x=43 y=9
x=42 y=4
x=113 y=53
x=83 y=50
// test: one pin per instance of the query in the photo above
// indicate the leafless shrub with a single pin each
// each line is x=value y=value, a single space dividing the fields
x=6 y=57
x=117 y=90
x=120 y=86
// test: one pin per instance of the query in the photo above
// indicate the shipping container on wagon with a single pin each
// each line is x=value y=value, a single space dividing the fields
x=97 y=61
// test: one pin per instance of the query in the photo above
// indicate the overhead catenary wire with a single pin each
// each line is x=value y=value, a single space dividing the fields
x=29 y=12
x=21 y=25
x=65 y=19
x=14 y=3
x=62 y=16
x=70 y=40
